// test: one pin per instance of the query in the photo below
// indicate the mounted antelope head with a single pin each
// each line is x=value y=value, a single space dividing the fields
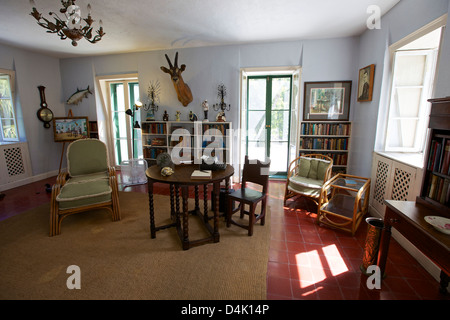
x=183 y=91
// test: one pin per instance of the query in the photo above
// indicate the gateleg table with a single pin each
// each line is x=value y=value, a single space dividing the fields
x=181 y=179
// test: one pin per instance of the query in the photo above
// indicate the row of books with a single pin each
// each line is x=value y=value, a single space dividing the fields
x=156 y=142
x=325 y=129
x=324 y=143
x=339 y=159
x=159 y=128
x=438 y=189
x=152 y=153
x=221 y=127
x=93 y=127
x=439 y=157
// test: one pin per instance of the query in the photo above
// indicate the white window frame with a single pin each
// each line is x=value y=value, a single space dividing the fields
x=10 y=75
x=428 y=91
x=424 y=110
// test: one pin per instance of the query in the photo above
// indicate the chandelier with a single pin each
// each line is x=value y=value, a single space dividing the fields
x=70 y=26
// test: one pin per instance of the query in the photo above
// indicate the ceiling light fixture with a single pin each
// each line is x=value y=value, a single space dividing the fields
x=71 y=25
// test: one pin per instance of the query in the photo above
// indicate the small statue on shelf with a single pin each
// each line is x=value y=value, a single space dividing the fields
x=205 y=107
x=165 y=116
x=177 y=116
x=221 y=117
x=192 y=116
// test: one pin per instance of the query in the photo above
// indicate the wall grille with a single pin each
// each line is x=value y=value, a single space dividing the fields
x=381 y=182
x=402 y=182
x=14 y=161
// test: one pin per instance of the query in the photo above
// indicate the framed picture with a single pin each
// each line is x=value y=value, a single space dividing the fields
x=365 y=83
x=70 y=128
x=327 y=101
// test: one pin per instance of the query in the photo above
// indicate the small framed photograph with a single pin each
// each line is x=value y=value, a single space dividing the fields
x=327 y=101
x=70 y=128
x=365 y=83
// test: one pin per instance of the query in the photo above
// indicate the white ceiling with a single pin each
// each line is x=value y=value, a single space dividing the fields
x=144 y=25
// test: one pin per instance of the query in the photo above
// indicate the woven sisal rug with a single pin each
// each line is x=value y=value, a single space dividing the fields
x=118 y=260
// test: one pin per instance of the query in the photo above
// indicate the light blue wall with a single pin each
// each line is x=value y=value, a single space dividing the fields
x=32 y=70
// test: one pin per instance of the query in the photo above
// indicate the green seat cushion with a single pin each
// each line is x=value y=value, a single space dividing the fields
x=304 y=167
x=322 y=169
x=89 y=177
x=313 y=170
x=305 y=186
x=84 y=193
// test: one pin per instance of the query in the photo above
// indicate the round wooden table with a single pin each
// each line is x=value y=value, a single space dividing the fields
x=181 y=179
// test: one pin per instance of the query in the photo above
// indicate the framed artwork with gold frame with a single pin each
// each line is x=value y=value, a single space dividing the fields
x=365 y=83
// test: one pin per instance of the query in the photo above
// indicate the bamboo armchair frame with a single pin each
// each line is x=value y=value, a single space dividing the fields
x=57 y=215
x=293 y=169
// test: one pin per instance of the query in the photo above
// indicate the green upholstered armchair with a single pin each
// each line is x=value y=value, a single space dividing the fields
x=306 y=176
x=89 y=183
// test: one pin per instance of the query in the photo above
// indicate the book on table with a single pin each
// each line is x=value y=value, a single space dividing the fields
x=201 y=174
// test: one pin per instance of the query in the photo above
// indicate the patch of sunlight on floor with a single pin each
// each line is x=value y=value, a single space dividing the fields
x=310 y=265
x=334 y=259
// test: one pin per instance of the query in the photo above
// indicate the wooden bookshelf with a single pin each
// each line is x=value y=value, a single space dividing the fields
x=331 y=138
x=93 y=129
x=435 y=189
x=196 y=137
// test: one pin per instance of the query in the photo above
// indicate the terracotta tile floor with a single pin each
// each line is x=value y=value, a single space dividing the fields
x=306 y=261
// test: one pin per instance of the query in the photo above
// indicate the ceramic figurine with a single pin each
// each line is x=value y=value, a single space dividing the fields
x=165 y=116
x=192 y=116
x=205 y=107
x=177 y=116
x=221 y=117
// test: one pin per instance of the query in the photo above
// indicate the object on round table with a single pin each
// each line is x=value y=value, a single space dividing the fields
x=164 y=160
x=439 y=223
x=166 y=171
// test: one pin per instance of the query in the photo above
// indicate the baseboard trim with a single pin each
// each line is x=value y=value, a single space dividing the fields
x=28 y=180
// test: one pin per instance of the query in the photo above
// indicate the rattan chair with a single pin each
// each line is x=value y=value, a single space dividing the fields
x=306 y=176
x=89 y=183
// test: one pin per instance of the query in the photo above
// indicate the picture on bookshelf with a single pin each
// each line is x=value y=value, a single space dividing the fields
x=327 y=101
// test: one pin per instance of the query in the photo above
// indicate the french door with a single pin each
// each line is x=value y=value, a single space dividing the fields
x=268 y=120
x=127 y=144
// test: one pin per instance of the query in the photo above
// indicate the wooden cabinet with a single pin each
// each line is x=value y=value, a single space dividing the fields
x=187 y=139
x=435 y=189
x=331 y=138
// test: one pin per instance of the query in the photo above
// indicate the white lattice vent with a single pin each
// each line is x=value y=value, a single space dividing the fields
x=381 y=181
x=14 y=161
x=401 y=185
x=393 y=180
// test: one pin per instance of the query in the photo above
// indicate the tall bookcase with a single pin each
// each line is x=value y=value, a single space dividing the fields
x=198 y=138
x=331 y=138
x=435 y=189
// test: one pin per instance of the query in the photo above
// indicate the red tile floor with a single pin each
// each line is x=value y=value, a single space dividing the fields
x=306 y=261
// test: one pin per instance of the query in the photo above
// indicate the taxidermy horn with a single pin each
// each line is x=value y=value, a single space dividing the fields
x=182 y=89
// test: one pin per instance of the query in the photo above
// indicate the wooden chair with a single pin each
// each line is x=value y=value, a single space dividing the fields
x=256 y=172
x=306 y=176
x=90 y=183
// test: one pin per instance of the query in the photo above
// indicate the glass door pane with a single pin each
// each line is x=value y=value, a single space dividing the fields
x=279 y=124
x=268 y=119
